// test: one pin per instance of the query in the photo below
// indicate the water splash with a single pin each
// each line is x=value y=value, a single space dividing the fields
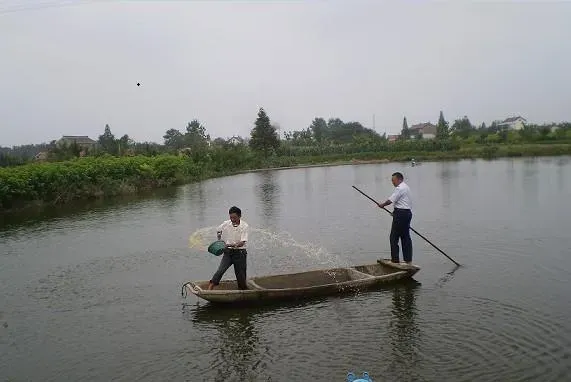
x=278 y=250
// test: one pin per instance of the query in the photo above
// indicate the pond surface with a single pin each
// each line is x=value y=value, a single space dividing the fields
x=93 y=292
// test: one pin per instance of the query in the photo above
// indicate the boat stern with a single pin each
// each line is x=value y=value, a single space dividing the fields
x=411 y=269
x=225 y=292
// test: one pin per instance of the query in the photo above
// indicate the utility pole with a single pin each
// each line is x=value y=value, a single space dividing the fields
x=373 y=121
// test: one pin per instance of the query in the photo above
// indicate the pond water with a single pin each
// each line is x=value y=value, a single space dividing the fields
x=93 y=291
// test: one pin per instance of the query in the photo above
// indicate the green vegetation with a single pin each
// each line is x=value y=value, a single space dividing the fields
x=89 y=177
x=265 y=138
x=122 y=166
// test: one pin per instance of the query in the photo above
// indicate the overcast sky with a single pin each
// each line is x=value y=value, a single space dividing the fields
x=69 y=70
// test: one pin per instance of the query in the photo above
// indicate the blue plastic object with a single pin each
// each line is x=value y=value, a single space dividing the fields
x=364 y=378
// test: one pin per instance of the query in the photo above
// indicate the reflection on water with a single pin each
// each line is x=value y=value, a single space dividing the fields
x=237 y=350
x=307 y=183
x=560 y=171
x=404 y=331
x=361 y=174
x=239 y=353
x=530 y=180
x=510 y=173
x=530 y=167
x=197 y=200
x=448 y=174
x=81 y=209
x=268 y=191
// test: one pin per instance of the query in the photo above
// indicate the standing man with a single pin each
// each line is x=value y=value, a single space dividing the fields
x=402 y=215
x=235 y=234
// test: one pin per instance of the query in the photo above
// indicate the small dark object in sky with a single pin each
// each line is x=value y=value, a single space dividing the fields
x=138 y=84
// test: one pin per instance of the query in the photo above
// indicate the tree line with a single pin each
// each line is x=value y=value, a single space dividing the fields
x=463 y=129
x=320 y=137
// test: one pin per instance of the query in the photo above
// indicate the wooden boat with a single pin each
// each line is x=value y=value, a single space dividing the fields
x=304 y=284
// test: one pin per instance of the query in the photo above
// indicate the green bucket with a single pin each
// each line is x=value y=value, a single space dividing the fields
x=217 y=248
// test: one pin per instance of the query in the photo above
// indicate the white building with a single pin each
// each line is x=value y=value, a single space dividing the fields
x=512 y=123
x=427 y=130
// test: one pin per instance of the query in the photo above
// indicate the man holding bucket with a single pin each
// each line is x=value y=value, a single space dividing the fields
x=235 y=234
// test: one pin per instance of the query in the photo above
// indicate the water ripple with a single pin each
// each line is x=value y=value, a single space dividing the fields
x=486 y=339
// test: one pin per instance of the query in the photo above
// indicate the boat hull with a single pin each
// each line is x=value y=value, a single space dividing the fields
x=304 y=285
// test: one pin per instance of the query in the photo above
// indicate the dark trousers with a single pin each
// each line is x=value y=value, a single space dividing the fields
x=236 y=257
x=401 y=230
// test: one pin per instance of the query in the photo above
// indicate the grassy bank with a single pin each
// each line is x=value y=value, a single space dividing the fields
x=468 y=152
x=86 y=178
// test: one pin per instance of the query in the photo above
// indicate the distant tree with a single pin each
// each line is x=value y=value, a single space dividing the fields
x=173 y=139
x=319 y=129
x=264 y=137
x=462 y=128
x=563 y=131
x=196 y=136
x=124 y=144
x=300 y=138
x=147 y=148
x=345 y=132
x=335 y=124
x=64 y=151
x=26 y=153
x=221 y=142
x=335 y=131
x=7 y=160
x=503 y=135
x=544 y=132
x=107 y=141
x=442 y=127
x=405 y=132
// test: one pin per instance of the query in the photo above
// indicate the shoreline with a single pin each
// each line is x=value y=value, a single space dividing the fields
x=468 y=153
x=324 y=164
x=399 y=159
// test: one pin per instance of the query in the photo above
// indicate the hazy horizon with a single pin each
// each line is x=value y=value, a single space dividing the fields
x=70 y=70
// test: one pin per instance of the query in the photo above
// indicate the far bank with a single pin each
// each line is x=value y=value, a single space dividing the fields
x=475 y=152
x=56 y=183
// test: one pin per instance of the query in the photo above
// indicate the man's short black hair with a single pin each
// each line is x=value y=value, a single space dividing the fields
x=398 y=175
x=235 y=210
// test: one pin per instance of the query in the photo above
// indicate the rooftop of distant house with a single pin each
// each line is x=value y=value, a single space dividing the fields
x=80 y=139
x=421 y=126
x=512 y=119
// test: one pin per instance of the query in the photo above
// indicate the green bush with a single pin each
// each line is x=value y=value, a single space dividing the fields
x=90 y=177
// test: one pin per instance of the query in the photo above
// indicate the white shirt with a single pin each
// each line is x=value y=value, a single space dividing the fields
x=231 y=234
x=401 y=197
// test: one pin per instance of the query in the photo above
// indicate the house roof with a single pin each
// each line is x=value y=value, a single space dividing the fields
x=81 y=139
x=421 y=126
x=424 y=128
x=512 y=119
